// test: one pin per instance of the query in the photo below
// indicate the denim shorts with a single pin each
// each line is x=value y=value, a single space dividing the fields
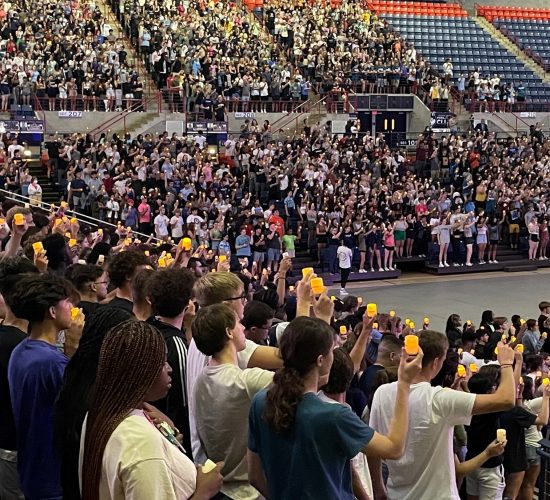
x=532 y=457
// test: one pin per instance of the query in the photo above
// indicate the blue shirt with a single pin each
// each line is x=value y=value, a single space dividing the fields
x=243 y=239
x=35 y=375
x=313 y=460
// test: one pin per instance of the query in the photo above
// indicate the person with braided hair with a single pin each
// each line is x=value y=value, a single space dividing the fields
x=123 y=455
x=73 y=402
x=300 y=446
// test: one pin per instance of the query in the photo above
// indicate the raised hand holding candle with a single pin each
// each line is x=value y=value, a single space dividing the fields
x=461 y=371
x=372 y=310
x=306 y=271
x=473 y=368
x=317 y=286
x=501 y=435
x=411 y=345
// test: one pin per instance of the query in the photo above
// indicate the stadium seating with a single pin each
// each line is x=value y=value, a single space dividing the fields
x=417 y=8
x=532 y=36
x=438 y=37
x=491 y=13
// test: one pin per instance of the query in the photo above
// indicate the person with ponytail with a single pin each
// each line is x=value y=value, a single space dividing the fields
x=300 y=446
x=123 y=455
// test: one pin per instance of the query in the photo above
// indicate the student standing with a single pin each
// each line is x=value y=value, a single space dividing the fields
x=344 y=255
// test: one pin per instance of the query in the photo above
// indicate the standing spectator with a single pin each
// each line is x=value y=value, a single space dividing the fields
x=273 y=248
x=288 y=242
x=242 y=244
x=532 y=340
x=144 y=211
x=35 y=375
x=344 y=255
x=161 y=224
x=35 y=192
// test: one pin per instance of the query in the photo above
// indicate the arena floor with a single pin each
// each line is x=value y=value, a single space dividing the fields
x=419 y=295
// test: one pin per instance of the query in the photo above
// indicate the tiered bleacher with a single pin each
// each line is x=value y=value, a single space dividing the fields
x=528 y=28
x=439 y=31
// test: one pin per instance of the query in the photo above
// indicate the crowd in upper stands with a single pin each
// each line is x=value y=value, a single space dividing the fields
x=66 y=55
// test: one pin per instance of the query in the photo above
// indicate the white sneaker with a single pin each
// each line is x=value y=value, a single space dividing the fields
x=343 y=291
x=541 y=258
x=455 y=264
x=441 y=265
x=469 y=264
x=362 y=271
x=446 y=265
x=371 y=270
x=495 y=261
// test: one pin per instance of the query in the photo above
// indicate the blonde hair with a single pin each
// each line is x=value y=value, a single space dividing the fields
x=217 y=287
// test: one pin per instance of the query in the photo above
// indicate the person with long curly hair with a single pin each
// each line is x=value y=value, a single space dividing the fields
x=298 y=443
x=123 y=454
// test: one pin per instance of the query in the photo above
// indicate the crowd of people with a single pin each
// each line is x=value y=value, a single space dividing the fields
x=66 y=55
x=137 y=370
x=463 y=196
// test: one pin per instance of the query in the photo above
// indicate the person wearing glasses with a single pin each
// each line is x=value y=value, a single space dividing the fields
x=91 y=281
x=223 y=393
x=226 y=288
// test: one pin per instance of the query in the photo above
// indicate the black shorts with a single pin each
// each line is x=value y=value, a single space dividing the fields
x=469 y=240
x=389 y=248
x=493 y=242
x=534 y=238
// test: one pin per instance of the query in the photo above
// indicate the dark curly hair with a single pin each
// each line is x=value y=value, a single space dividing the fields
x=169 y=291
x=123 y=266
x=304 y=340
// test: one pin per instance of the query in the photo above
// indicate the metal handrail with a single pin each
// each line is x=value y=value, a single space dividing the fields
x=46 y=207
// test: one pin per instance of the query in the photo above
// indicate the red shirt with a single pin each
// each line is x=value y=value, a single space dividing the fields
x=279 y=224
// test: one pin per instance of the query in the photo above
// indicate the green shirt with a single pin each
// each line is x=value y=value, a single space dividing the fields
x=288 y=241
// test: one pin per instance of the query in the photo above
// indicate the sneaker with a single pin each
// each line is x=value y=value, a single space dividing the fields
x=541 y=258
x=343 y=291
x=469 y=264
x=371 y=270
x=455 y=264
x=495 y=261
x=446 y=265
x=441 y=265
x=362 y=271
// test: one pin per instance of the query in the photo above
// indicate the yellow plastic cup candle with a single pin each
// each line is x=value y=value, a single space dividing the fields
x=306 y=271
x=375 y=325
x=291 y=288
x=317 y=286
x=426 y=320
x=372 y=310
x=407 y=321
x=521 y=380
x=504 y=337
x=543 y=335
x=501 y=435
x=461 y=371
x=411 y=325
x=222 y=258
x=519 y=348
x=359 y=300
x=19 y=219
x=473 y=367
x=469 y=323
x=147 y=253
x=545 y=381
x=472 y=351
x=333 y=298
x=512 y=339
x=522 y=321
x=73 y=220
x=38 y=247
x=72 y=243
x=460 y=351
x=392 y=314
x=2 y=221
x=75 y=311
x=186 y=243
x=343 y=330
x=162 y=262
x=100 y=232
x=411 y=345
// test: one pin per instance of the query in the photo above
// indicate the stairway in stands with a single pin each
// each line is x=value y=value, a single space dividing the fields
x=49 y=192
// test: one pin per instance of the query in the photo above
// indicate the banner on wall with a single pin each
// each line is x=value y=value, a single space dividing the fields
x=439 y=121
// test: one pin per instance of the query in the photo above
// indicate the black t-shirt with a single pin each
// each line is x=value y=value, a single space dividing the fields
x=175 y=405
x=88 y=307
x=367 y=380
x=10 y=337
x=515 y=421
x=482 y=431
x=121 y=303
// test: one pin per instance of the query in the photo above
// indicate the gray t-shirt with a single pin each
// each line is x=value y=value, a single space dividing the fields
x=223 y=395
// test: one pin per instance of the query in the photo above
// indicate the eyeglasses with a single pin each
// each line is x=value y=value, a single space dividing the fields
x=242 y=297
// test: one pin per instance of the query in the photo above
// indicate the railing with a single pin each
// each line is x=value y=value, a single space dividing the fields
x=474 y=105
x=141 y=105
x=90 y=103
x=306 y=107
x=82 y=218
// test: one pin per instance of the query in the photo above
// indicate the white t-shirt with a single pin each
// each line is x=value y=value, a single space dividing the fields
x=196 y=361
x=223 y=394
x=161 y=225
x=138 y=462
x=344 y=257
x=427 y=469
x=177 y=226
x=359 y=462
x=532 y=433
